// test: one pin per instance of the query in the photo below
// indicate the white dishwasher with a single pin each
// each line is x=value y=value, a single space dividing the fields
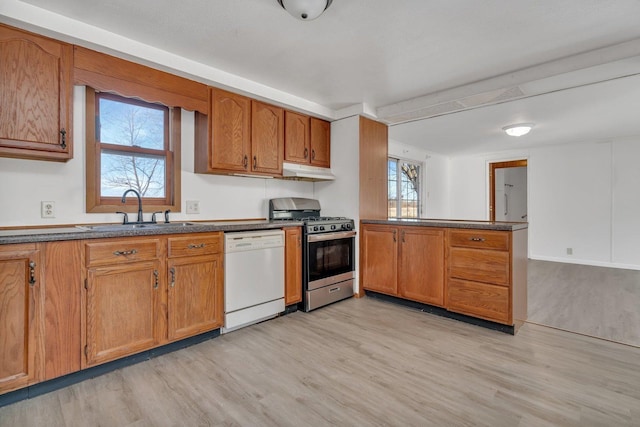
x=253 y=277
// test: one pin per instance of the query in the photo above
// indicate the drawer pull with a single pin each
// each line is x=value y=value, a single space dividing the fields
x=200 y=246
x=334 y=290
x=476 y=239
x=156 y=281
x=125 y=253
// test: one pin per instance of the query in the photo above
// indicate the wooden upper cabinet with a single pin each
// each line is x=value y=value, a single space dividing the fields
x=267 y=138
x=230 y=147
x=35 y=96
x=307 y=140
x=20 y=316
x=320 y=143
x=297 y=145
x=240 y=135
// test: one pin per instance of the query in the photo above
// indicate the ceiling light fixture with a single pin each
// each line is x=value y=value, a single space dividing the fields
x=518 y=129
x=305 y=10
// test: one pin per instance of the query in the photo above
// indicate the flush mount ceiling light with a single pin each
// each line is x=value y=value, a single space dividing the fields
x=305 y=10
x=518 y=129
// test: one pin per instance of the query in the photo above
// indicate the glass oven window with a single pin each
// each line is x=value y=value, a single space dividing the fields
x=330 y=258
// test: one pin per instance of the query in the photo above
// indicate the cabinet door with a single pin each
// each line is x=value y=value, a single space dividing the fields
x=122 y=310
x=320 y=143
x=379 y=260
x=421 y=270
x=230 y=131
x=35 y=96
x=20 y=315
x=195 y=302
x=267 y=138
x=293 y=266
x=296 y=138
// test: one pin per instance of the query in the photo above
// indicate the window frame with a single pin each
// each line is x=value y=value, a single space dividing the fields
x=95 y=202
x=399 y=173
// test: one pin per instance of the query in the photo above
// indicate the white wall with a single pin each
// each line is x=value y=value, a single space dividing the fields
x=582 y=196
x=24 y=183
x=434 y=179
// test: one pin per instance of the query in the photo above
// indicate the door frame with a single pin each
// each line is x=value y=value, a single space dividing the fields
x=492 y=181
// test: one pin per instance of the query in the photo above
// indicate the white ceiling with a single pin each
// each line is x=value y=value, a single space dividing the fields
x=380 y=53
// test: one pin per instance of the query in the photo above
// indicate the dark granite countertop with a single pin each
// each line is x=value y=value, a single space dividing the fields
x=32 y=235
x=450 y=223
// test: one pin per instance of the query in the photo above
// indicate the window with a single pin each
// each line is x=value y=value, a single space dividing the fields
x=403 y=189
x=130 y=144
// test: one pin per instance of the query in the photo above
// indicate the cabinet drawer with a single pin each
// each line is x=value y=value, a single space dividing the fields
x=121 y=251
x=480 y=265
x=489 y=302
x=481 y=239
x=195 y=245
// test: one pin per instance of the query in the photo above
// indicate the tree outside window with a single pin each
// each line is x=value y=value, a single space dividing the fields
x=403 y=189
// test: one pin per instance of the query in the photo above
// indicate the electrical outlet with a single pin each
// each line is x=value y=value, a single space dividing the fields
x=569 y=251
x=193 y=206
x=48 y=209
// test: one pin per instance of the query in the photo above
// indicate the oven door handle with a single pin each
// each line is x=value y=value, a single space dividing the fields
x=331 y=236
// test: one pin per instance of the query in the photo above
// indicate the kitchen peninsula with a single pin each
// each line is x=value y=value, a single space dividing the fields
x=475 y=271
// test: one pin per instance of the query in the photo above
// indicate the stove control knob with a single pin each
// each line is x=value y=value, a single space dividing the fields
x=347 y=226
x=333 y=227
x=315 y=228
x=322 y=228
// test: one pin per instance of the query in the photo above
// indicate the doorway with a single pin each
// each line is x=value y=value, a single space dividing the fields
x=508 y=191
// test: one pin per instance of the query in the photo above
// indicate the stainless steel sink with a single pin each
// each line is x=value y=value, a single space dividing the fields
x=124 y=227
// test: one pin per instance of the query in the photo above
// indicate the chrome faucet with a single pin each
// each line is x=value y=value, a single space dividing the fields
x=124 y=197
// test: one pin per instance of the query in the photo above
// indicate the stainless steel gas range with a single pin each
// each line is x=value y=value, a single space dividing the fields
x=328 y=250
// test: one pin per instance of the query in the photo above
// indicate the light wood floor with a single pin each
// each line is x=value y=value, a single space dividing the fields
x=360 y=362
x=597 y=301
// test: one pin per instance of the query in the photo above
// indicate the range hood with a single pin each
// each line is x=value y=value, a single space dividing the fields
x=306 y=173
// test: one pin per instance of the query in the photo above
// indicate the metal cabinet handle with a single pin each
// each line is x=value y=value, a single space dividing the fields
x=306 y=153
x=157 y=279
x=63 y=138
x=476 y=239
x=200 y=246
x=313 y=154
x=245 y=161
x=255 y=162
x=403 y=234
x=394 y=235
x=173 y=277
x=32 y=273
x=125 y=253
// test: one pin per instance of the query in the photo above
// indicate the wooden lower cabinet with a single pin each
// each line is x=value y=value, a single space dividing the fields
x=21 y=314
x=476 y=272
x=195 y=285
x=293 y=265
x=62 y=307
x=144 y=292
x=407 y=262
x=123 y=307
x=379 y=258
x=421 y=266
